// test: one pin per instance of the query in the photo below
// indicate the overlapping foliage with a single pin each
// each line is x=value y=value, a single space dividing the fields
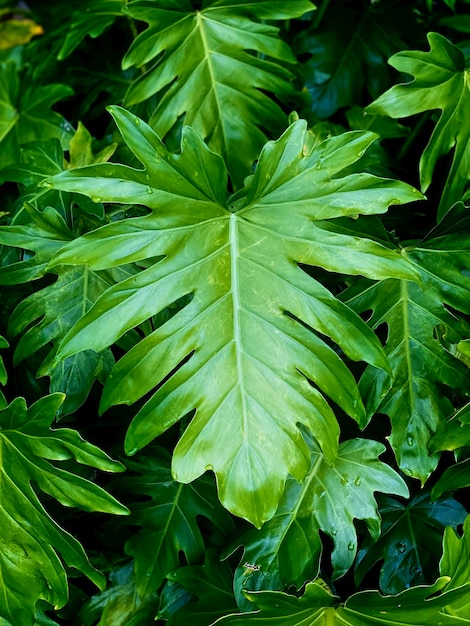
x=219 y=267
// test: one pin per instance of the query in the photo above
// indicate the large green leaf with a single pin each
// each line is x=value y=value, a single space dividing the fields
x=287 y=549
x=166 y=513
x=249 y=339
x=410 y=542
x=348 y=55
x=212 y=68
x=31 y=542
x=441 y=81
x=421 y=332
x=456 y=564
x=25 y=113
x=318 y=607
x=3 y=372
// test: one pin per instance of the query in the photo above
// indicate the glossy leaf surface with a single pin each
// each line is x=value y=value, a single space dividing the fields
x=239 y=306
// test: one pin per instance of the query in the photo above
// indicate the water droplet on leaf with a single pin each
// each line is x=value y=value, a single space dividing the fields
x=45 y=184
x=137 y=121
x=351 y=545
x=333 y=531
x=149 y=189
x=147 y=176
x=410 y=441
x=357 y=482
x=96 y=199
x=401 y=547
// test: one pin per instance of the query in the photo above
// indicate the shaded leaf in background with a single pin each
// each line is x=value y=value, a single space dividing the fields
x=318 y=607
x=25 y=113
x=3 y=373
x=287 y=549
x=410 y=543
x=120 y=604
x=17 y=30
x=91 y=19
x=440 y=81
x=212 y=68
x=425 y=370
x=211 y=586
x=31 y=542
x=348 y=55
x=232 y=352
x=167 y=514
x=43 y=318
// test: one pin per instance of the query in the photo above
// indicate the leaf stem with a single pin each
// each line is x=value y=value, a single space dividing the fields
x=412 y=136
x=320 y=13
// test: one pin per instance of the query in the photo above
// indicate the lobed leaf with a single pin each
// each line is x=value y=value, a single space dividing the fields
x=250 y=338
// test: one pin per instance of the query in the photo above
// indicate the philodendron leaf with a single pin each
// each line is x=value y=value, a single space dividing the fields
x=31 y=542
x=211 y=584
x=166 y=513
x=120 y=604
x=3 y=372
x=92 y=19
x=42 y=319
x=318 y=607
x=421 y=333
x=25 y=113
x=287 y=549
x=410 y=543
x=441 y=81
x=456 y=564
x=246 y=345
x=201 y=66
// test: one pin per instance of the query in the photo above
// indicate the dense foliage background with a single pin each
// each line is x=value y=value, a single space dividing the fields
x=235 y=299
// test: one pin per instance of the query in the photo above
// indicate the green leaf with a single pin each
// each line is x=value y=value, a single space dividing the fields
x=92 y=19
x=25 y=113
x=211 y=68
x=410 y=541
x=43 y=318
x=287 y=549
x=440 y=81
x=3 y=373
x=166 y=513
x=120 y=604
x=348 y=55
x=455 y=564
x=252 y=312
x=211 y=584
x=318 y=607
x=418 y=323
x=31 y=542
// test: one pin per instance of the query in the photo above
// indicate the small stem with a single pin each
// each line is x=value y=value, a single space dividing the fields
x=320 y=13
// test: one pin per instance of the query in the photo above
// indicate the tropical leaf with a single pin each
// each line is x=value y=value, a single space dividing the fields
x=348 y=55
x=120 y=604
x=25 y=113
x=455 y=564
x=440 y=81
x=318 y=607
x=43 y=318
x=211 y=68
x=31 y=542
x=211 y=584
x=410 y=543
x=421 y=331
x=256 y=322
x=3 y=372
x=166 y=513
x=91 y=19
x=287 y=549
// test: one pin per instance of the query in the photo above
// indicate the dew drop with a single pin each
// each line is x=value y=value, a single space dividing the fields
x=149 y=189
x=45 y=184
x=360 y=153
x=96 y=199
x=357 y=482
x=344 y=480
x=333 y=531
x=401 y=547
x=351 y=545
x=410 y=441
x=354 y=403
x=147 y=176
x=319 y=164
x=137 y=121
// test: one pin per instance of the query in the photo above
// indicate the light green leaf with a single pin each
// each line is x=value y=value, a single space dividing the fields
x=440 y=81
x=92 y=19
x=287 y=549
x=244 y=347
x=31 y=542
x=410 y=542
x=25 y=113
x=166 y=513
x=318 y=607
x=421 y=331
x=3 y=373
x=211 y=69
x=456 y=564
